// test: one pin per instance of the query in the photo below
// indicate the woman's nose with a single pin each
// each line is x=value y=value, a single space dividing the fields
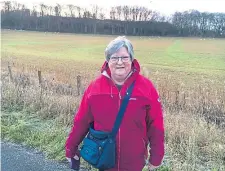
x=120 y=61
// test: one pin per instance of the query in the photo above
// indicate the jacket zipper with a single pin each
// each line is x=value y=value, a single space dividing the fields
x=119 y=128
x=119 y=138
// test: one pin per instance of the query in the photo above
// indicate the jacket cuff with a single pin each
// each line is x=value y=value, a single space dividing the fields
x=155 y=161
x=70 y=153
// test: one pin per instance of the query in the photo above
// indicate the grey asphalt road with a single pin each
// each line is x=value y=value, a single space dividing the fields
x=19 y=158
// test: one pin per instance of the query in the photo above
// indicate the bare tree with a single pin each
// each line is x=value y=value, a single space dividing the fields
x=219 y=23
x=125 y=10
x=87 y=13
x=102 y=16
x=71 y=8
x=132 y=11
x=34 y=11
x=118 y=12
x=112 y=13
x=95 y=11
x=50 y=10
x=43 y=9
x=7 y=6
x=79 y=11
x=137 y=10
x=147 y=13
x=58 y=10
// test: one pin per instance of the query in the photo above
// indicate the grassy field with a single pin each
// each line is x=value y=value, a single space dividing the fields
x=179 y=54
x=188 y=72
x=177 y=57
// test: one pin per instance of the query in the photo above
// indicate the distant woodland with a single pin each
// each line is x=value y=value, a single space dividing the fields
x=126 y=20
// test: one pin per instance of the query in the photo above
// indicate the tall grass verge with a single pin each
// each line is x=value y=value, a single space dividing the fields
x=194 y=118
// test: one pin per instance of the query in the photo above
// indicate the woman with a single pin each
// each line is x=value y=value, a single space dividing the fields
x=142 y=123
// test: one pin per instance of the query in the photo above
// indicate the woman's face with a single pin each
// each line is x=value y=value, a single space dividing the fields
x=120 y=65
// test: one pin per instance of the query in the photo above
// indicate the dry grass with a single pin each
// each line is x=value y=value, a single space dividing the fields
x=204 y=98
x=191 y=88
x=193 y=144
x=194 y=118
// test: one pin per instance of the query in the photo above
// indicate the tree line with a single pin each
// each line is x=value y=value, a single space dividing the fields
x=127 y=20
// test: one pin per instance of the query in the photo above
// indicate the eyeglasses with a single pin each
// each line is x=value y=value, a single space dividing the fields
x=115 y=59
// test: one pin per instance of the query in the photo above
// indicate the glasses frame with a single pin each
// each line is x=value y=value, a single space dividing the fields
x=115 y=59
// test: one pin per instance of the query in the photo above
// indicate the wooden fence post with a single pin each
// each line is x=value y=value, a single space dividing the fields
x=78 y=85
x=39 y=77
x=40 y=85
x=10 y=73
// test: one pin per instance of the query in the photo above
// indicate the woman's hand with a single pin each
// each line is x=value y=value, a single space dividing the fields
x=75 y=157
x=74 y=162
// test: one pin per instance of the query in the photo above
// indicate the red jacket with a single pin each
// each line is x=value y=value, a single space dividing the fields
x=142 y=122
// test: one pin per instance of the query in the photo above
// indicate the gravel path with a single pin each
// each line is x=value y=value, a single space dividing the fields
x=18 y=158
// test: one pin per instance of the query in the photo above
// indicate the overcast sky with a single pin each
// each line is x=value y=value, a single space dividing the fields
x=163 y=6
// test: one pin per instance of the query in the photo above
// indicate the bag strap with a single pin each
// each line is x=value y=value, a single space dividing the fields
x=122 y=110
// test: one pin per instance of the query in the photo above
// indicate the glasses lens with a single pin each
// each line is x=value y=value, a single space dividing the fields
x=125 y=58
x=116 y=59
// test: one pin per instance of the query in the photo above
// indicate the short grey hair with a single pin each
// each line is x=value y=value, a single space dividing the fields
x=116 y=44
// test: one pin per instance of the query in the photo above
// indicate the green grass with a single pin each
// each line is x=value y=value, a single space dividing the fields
x=47 y=136
x=176 y=54
x=29 y=130
x=175 y=58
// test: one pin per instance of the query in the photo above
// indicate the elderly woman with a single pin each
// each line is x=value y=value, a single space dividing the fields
x=142 y=123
